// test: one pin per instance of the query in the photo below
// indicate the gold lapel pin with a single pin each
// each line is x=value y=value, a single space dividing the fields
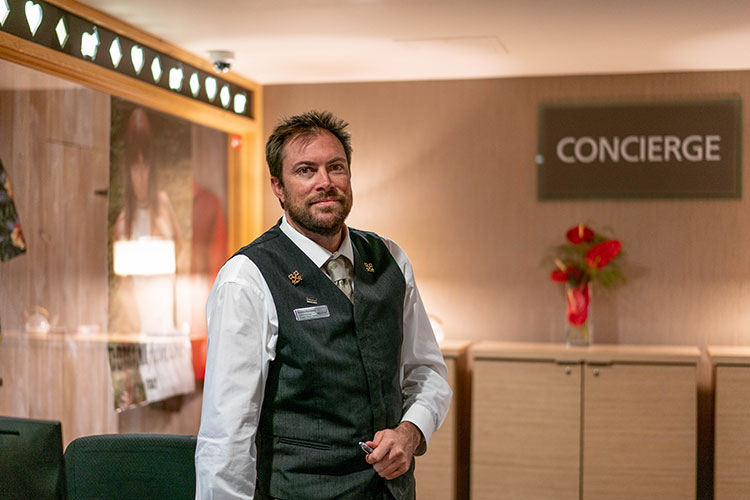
x=295 y=277
x=369 y=268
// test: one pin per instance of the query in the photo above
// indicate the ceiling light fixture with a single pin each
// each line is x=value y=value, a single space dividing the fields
x=44 y=22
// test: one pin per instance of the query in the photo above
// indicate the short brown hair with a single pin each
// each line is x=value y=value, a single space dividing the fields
x=304 y=125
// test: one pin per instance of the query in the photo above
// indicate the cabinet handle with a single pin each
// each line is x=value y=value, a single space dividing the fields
x=568 y=371
x=596 y=372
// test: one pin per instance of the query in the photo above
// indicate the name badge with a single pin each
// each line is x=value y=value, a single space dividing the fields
x=308 y=313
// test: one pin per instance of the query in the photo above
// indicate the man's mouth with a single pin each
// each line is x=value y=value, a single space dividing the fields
x=326 y=201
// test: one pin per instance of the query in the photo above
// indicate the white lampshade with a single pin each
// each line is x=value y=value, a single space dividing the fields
x=144 y=257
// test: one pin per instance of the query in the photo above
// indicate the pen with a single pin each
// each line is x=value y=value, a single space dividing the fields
x=365 y=448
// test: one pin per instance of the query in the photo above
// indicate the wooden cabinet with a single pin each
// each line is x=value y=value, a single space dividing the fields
x=639 y=438
x=731 y=421
x=442 y=472
x=600 y=422
x=525 y=430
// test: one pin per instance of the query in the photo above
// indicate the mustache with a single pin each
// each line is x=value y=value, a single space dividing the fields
x=329 y=195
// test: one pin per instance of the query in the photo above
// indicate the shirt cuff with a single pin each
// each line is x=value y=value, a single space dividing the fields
x=425 y=422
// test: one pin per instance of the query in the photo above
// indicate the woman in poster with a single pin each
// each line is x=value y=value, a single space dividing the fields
x=148 y=301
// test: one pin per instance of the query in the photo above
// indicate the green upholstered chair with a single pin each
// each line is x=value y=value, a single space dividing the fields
x=131 y=466
x=31 y=459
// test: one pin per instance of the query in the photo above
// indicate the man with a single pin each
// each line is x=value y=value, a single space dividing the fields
x=317 y=340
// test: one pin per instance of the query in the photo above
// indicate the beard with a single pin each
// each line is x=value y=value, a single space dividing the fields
x=325 y=221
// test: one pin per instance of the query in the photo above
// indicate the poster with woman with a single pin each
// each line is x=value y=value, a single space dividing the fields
x=150 y=221
x=168 y=239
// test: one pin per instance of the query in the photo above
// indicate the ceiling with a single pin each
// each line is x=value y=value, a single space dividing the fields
x=307 y=41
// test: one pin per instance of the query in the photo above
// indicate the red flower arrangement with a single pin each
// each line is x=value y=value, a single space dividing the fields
x=588 y=256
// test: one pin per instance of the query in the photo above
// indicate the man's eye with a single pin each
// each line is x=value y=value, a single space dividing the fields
x=304 y=170
x=337 y=166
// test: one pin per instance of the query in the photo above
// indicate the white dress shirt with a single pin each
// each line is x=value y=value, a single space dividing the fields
x=242 y=334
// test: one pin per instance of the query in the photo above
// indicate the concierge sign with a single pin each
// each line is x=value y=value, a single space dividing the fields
x=663 y=149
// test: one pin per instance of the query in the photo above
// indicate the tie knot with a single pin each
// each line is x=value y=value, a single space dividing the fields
x=336 y=268
x=339 y=273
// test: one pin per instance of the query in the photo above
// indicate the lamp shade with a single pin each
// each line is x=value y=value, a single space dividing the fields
x=144 y=257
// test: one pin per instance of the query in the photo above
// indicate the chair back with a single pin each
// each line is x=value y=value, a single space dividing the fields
x=125 y=466
x=31 y=459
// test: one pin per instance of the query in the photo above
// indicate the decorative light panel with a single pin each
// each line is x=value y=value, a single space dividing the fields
x=240 y=102
x=195 y=84
x=210 y=88
x=57 y=29
x=225 y=96
x=4 y=11
x=156 y=69
x=115 y=52
x=90 y=44
x=34 y=15
x=175 y=79
x=136 y=57
x=62 y=32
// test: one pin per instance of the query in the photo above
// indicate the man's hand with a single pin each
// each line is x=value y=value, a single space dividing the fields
x=394 y=449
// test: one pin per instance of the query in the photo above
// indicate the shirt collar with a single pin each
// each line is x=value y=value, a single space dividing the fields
x=315 y=252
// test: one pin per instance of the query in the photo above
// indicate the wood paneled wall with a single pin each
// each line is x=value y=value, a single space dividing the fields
x=447 y=169
x=55 y=148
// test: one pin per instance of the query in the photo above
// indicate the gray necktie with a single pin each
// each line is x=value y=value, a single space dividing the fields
x=339 y=274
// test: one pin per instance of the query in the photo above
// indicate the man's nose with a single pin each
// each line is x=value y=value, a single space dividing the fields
x=323 y=180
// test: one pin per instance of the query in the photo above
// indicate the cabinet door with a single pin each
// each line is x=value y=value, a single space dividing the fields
x=732 y=460
x=435 y=471
x=525 y=437
x=639 y=432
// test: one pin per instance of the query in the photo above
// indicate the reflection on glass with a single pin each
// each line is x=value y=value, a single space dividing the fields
x=147 y=299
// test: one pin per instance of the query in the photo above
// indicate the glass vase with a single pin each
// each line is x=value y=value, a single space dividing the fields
x=578 y=324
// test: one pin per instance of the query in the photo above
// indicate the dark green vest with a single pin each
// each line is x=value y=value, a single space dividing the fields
x=335 y=379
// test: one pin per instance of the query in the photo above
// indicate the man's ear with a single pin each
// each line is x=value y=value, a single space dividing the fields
x=278 y=189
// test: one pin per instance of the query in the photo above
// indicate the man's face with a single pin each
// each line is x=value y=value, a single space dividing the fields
x=317 y=193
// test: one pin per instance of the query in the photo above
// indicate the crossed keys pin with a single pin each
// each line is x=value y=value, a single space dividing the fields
x=295 y=277
x=369 y=268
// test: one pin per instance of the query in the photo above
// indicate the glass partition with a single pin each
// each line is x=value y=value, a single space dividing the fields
x=80 y=337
